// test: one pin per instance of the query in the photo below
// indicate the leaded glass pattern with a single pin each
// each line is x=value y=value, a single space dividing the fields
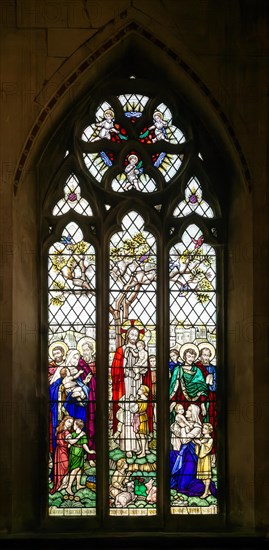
x=71 y=374
x=167 y=164
x=97 y=164
x=132 y=373
x=193 y=202
x=192 y=375
x=113 y=137
x=72 y=199
x=133 y=105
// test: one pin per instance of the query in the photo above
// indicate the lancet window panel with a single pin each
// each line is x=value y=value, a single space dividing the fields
x=72 y=374
x=192 y=375
x=132 y=372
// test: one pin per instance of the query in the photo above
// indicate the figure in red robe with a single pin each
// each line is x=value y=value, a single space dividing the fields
x=128 y=374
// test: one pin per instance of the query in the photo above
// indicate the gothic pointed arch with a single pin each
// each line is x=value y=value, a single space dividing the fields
x=132 y=46
x=133 y=231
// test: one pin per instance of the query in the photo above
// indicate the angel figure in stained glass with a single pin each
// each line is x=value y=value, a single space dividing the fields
x=159 y=126
x=106 y=126
x=132 y=170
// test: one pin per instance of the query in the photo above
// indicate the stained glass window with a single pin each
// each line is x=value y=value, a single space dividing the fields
x=72 y=199
x=133 y=295
x=132 y=374
x=193 y=201
x=71 y=372
x=192 y=372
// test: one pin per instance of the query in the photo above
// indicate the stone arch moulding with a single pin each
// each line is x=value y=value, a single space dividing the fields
x=156 y=55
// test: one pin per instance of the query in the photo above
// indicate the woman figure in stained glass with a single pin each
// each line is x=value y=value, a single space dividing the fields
x=61 y=457
x=183 y=462
x=86 y=347
x=60 y=461
x=57 y=353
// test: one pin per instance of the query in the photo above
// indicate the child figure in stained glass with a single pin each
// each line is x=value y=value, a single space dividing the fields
x=120 y=479
x=69 y=382
x=132 y=172
x=76 y=457
x=174 y=360
x=141 y=365
x=176 y=428
x=106 y=126
x=140 y=420
x=203 y=449
x=159 y=126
